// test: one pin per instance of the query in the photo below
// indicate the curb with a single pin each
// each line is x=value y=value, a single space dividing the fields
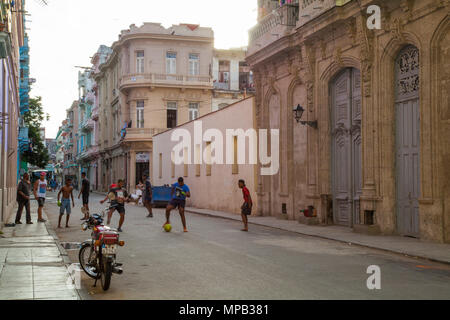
x=409 y=255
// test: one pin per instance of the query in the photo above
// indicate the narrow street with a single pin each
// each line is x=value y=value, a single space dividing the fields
x=215 y=260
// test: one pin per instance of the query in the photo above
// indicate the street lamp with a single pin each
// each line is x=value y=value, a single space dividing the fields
x=298 y=113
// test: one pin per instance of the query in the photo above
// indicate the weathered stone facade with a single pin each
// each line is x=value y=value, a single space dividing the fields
x=403 y=67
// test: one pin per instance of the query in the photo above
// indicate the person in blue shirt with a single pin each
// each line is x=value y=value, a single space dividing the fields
x=179 y=193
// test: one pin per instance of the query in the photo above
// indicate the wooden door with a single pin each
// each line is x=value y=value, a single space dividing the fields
x=346 y=147
x=407 y=141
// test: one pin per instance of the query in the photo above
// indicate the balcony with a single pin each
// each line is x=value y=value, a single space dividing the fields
x=141 y=134
x=221 y=85
x=165 y=80
x=88 y=153
x=87 y=124
x=275 y=25
x=94 y=115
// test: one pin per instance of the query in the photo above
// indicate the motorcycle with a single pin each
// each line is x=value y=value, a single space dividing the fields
x=98 y=255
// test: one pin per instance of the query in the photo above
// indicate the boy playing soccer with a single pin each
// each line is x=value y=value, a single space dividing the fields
x=65 y=201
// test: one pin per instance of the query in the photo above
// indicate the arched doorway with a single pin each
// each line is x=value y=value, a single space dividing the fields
x=407 y=140
x=346 y=146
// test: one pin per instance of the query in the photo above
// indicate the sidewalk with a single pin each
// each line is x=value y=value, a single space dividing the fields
x=401 y=245
x=32 y=263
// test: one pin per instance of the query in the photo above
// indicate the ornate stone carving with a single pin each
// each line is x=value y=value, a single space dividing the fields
x=366 y=54
x=309 y=62
x=407 y=6
x=407 y=66
x=351 y=29
x=397 y=30
x=408 y=61
x=338 y=56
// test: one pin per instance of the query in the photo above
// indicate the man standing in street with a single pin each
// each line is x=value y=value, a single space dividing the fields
x=179 y=193
x=65 y=202
x=246 y=208
x=40 y=192
x=23 y=198
x=147 y=194
x=118 y=197
x=85 y=189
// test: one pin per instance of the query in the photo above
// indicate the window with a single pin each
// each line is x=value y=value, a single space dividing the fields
x=194 y=64
x=224 y=71
x=140 y=114
x=235 y=167
x=197 y=157
x=193 y=111
x=208 y=158
x=171 y=63
x=139 y=61
x=171 y=114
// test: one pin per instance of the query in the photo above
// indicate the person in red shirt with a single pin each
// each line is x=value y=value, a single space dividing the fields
x=246 y=208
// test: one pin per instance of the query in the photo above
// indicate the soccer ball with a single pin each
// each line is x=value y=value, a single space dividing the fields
x=167 y=227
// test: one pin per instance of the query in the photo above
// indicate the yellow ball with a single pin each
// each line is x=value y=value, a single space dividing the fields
x=167 y=227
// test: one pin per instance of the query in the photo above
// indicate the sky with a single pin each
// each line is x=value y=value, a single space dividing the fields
x=66 y=33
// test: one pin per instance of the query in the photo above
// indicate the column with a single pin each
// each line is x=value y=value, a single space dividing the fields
x=132 y=171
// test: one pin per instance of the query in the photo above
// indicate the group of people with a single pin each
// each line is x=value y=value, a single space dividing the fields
x=117 y=195
x=24 y=196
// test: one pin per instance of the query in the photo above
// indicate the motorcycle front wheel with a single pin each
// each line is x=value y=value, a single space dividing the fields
x=106 y=274
x=87 y=257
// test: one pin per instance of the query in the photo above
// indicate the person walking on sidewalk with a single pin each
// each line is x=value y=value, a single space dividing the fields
x=147 y=195
x=40 y=192
x=179 y=193
x=85 y=189
x=246 y=208
x=118 y=196
x=23 y=198
x=67 y=193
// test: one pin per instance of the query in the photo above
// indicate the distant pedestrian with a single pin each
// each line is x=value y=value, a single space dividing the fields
x=246 y=208
x=179 y=193
x=40 y=193
x=23 y=198
x=67 y=193
x=118 y=196
x=85 y=189
x=147 y=194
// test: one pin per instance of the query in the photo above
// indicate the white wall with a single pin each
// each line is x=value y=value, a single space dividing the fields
x=219 y=191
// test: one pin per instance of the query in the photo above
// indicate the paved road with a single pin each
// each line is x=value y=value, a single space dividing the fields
x=215 y=260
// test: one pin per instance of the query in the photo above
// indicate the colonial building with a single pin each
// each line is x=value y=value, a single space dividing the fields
x=155 y=78
x=232 y=78
x=372 y=146
x=71 y=144
x=11 y=40
x=87 y=148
